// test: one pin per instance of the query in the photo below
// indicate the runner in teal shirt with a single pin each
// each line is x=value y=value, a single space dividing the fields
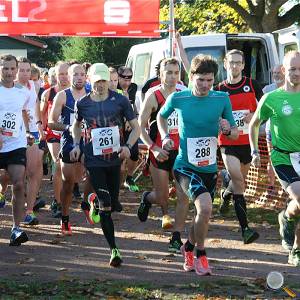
x=202 y=113
x=197 y=117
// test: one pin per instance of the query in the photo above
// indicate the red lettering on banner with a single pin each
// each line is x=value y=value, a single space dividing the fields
x=80 y=17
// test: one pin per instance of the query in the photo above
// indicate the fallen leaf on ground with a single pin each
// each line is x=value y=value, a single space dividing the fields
x=141 y=256
x=27 y=274
x=61 y=269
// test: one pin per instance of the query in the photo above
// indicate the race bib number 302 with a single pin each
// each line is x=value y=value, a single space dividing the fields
x=202 y=151
x=10 y=123
x=105 y=140
x=238 y=116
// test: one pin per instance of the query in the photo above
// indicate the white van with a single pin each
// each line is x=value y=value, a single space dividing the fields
x=288 y=39
x=260 y=54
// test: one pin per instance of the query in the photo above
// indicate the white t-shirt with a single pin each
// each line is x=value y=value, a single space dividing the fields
x=12 y=102
x=31 y=107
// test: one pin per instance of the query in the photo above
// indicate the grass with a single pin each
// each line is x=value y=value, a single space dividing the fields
x=206 y=288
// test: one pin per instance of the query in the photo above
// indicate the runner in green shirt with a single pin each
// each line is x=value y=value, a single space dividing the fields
x=282 y=107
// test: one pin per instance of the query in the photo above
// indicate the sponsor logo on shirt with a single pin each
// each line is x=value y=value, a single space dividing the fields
x=287 y=110
x=246 y=88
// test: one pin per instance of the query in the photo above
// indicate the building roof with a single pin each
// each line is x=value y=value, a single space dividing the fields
x=29 y=41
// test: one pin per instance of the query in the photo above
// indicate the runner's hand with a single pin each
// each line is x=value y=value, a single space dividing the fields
x=124 y=152
x=255 y=160
x=75 y=153
x=160 y=154
x=167 y=144
x=30 y=139
x=224 y=126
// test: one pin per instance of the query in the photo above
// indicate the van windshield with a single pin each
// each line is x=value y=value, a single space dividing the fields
x=218 y=52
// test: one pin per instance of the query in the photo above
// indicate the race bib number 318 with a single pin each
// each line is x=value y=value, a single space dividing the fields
x=105 y=140
x=202 y=151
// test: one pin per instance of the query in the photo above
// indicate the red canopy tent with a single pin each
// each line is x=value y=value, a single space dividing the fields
x=105 y=18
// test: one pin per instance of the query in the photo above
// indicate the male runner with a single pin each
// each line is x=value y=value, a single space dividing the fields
x=161 y=160
x=244 y=94
x=201 y=112
x=129 y=89
x=61 y=118
x=103 y=112
x=13 y=119
x=53 y=137
x=35 y=149
x=282 y=107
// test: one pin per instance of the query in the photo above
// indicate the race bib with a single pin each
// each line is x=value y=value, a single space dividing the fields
x=202 y=151
x=105 y=140
x=173 y=123
x=238 y=116
x=10 y=123
x=295 y=160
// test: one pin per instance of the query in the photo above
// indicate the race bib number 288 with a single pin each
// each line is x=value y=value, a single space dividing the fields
x=202 y=151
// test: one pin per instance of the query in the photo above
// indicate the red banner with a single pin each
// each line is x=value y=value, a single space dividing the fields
x=110 y=18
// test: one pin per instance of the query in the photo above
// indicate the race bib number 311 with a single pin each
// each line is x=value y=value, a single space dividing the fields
x=10 y=123
x=105 y=140
x=202 y=151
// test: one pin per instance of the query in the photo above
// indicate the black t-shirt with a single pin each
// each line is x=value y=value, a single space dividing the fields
x=131 y=92
x=150 y=83
x=108 y=113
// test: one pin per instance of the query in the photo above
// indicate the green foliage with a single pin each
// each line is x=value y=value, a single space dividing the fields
x=49 y=56
x=199 y=18
x=112 y=51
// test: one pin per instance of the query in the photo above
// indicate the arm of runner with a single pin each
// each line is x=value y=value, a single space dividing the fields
x=253 y=139
x=76 y=133
x=39 y=122
x=182 y=53
x=149 y=105
x=44 y=107
x=227 y=123
x=58 y=103
x=1 y=140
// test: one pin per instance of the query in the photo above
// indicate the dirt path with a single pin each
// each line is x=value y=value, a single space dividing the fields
x=48 y=256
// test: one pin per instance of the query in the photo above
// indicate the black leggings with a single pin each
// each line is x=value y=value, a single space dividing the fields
x=106 y=184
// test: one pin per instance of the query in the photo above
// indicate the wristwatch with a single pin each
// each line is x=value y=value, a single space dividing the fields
x=254 y=152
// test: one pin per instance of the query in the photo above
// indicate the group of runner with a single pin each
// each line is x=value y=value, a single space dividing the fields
x=92 y=127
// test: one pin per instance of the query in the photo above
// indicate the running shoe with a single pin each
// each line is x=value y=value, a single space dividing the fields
x=2 y=200
x=225 y=177
x=76 y=192
x=66 y=229
x=201 y=266
x=94 y=207
x=17 y=237
x=286 y=230
x=131 y=185
x=57 y=214
x=174 y=246
x=188 y=264
x=116 y=206
x=31 y=219
x=294 y=257
x=39 y=203
x=85 y=206
x=166 y=222
x=143 y=210
x=115 y=258
x=225 y=203
x=250 y=235
x=53 y=206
